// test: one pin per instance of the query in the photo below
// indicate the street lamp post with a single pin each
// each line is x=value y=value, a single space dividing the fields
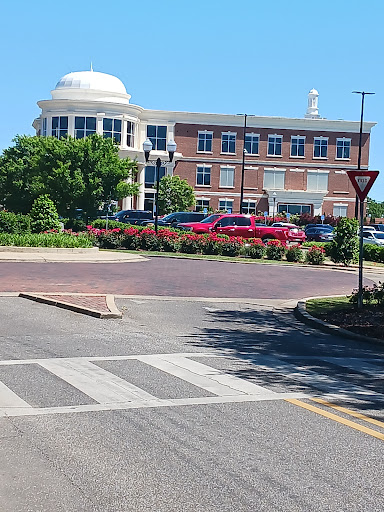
x=243 y=166
x=274 y=205
x=363 y=93
x=147 y=147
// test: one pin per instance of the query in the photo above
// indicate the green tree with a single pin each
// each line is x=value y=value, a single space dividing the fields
x=375 y=208
x=175 y=195
x=344 y=247
x=44 y=215
x=76 y=173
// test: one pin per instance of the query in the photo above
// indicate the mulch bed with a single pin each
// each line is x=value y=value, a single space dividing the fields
x=369 y=321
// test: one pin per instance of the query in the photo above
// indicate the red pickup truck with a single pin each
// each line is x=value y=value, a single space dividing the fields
x=244 y=226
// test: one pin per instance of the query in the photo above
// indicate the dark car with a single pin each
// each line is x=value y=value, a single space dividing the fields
x=319 y=234
x=378 y=227
x=173 y=219
x=321 y=226
x=138 y=217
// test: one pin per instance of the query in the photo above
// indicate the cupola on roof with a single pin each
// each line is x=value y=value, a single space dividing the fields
x=92 y=80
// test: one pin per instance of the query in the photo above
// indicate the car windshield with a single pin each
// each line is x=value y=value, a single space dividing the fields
x=209 y=219
x=168 y=217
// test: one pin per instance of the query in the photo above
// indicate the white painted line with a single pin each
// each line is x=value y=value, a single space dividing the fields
x=99 y=384
x=324 y=383
x=176 y=402
x=225 y=379
x=9 y=399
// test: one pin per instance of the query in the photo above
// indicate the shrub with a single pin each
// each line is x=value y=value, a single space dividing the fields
x=149 y=240
x=294 y=253
x=46 y=240
x=14 y=222
x=344 y=248
x=371 y=294
x=212 y=244
x=191 y=243
x=75 y=225
x=44 y=215
x=111 y=239
x=232 y=247
x=373 y=253
x=275 y=249
x=255 y=249
x=112 y=224
x=315 y=255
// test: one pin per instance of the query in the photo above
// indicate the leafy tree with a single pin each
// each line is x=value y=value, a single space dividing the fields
x=44 y=215
x=76 y=173
x=345 y=245
x=175 y=195
x=375 y=208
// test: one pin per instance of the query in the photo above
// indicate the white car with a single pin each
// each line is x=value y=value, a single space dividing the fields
x=373 y=237
x=292 y=227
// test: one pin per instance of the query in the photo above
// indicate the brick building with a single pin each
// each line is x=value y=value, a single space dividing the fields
x=294 y=165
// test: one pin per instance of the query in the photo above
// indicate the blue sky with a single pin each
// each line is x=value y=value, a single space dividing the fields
x=259 y=57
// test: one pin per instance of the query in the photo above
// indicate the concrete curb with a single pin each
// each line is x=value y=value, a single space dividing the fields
x=113 y=311
x=49 y=250
x=301 y=314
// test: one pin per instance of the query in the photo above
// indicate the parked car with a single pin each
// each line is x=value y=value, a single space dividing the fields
x=324 y=226
x=376 y=227
x=292 y=227
x=174 y=219
x=373 y=237
x=319 y=234
x=138 y=217
x=244 y=226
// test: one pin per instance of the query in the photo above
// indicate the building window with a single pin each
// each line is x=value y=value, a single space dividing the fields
x=44 y=127
x=201 y=204
x=248 y=207
x=149 y=201
x=227 y=175
x=158 y=137
x=112 y=129
x=204 y=143
x=297 y=146
x=203 y=175
x=343 y=148
x=251 y=144
x=320 y=147
x=59 y=126
x=226 y=205
x=130 y=134
x=294 y=209
x=228 y=142
x=150 y=175
x=84 y=126
x=317 y=181
x=274 y=145
x=340 y=210
x=274 y=179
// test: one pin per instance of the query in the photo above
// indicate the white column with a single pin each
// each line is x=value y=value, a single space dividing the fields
x=71 y=125
x=99 y=123
x=141 y=180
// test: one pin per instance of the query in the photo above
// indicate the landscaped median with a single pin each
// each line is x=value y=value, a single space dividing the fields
x=340 y=315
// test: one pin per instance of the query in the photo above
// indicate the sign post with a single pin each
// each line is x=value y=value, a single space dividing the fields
x=362 y=182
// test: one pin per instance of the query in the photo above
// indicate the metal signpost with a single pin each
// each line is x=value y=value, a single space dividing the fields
x=362 y=182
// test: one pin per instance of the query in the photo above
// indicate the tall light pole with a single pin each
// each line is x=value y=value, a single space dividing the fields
x=363 y=93
x=147 y=148
x=243 y=165
x=274 y=205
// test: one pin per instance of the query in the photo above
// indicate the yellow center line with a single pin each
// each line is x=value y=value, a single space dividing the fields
x=334 y=417
x=348 y=411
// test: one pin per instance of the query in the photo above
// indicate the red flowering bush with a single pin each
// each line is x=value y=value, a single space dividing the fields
x=294 y=253
x=315 y=255
x=213 y=244
x=170 y=240
x=276 y=249
x=191 y=243
x=149 y=240
x=255 y=249
x=233 y=246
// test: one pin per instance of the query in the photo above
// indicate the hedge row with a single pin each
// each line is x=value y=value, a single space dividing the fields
x=60 y=240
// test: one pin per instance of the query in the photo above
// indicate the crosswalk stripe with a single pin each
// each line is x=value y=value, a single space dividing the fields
x=97 y=383
x=9 y=399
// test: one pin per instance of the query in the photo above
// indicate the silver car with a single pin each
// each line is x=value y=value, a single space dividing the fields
x=373 y=237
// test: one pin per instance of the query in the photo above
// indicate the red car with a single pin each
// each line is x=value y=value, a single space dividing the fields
x=244 y=226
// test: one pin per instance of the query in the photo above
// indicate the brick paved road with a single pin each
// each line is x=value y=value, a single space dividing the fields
x=176 y=277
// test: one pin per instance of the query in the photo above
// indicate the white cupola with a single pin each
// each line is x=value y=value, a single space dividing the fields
x=312 y=109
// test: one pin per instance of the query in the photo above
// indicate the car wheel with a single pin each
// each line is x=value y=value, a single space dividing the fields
x=268 y=238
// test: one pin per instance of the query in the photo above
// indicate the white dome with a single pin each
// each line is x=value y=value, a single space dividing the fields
x=91 y=80
x=313 y=92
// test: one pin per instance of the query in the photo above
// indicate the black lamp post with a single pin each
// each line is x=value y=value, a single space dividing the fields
x=274 y=205
x=147 y=147
x=363 y=93
x=243 y=165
